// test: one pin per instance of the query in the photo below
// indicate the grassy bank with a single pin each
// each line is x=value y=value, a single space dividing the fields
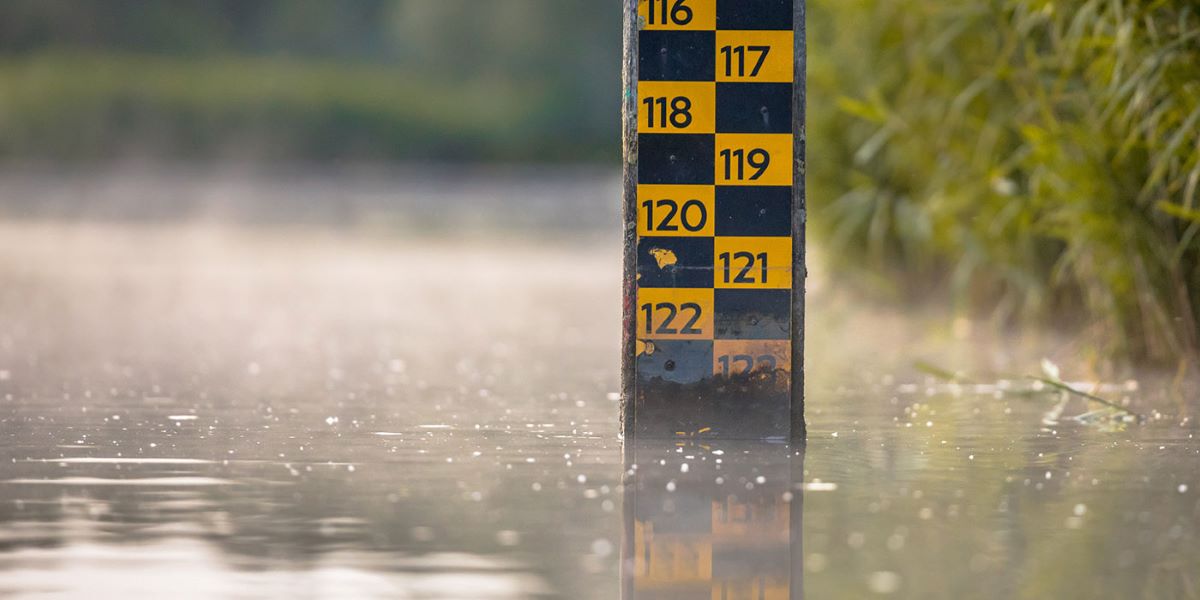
x=100 y=106
x=1040 y=158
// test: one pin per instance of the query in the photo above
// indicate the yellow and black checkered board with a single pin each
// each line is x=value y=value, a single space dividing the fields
x=714 y=216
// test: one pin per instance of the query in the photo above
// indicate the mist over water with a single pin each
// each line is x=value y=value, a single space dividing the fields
x=206 y=406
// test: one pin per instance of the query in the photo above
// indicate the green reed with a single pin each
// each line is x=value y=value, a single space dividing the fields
x=1039 y=159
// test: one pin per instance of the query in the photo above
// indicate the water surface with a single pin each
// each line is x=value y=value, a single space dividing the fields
x=224 y=412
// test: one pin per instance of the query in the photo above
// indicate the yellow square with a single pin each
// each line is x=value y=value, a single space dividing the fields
x=677 y=107
x=756 y=588
x=742 y=357
x=667 y=563
x=759 y=56
x=690 y=15
x=753 y=262
x=675 y=314
x=754 y=159
x=676 y=210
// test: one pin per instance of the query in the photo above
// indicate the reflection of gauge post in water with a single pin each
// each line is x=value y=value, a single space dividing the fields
x=720 y=520
x=714 y=218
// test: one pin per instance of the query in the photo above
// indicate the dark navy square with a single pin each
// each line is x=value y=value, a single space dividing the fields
x=755 y=14
x=754 y=107
x=753 y=314
x=753 y=211
x=676 y=159
x=677 y=55
x=686 y=262
x=677 y=361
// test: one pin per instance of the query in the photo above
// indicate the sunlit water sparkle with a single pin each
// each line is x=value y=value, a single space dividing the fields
x=195 y=412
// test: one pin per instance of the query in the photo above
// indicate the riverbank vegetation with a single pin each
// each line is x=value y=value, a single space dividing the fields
x=1040 y=158
x=451 y=80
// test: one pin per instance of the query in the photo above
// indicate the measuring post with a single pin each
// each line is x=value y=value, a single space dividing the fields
x=714 y=101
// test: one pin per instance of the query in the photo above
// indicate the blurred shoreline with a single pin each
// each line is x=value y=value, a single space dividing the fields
x=62 y=271
x=374 y=220
x=412 y=198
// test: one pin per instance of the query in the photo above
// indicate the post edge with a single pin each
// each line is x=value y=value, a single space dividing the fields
x=799 y=222
x=628 y=213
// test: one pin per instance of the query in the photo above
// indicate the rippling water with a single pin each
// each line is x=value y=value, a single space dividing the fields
x=191 y=412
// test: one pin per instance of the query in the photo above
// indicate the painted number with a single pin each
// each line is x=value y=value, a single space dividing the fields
x=738 y=159
x=735 y=59
x=679 y=117
x=669 y=12
x=669 y=312
x=693 y=216
x=747 y=264
x=742 y=364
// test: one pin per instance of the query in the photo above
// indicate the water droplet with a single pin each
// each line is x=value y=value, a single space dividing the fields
x=602 y=547
x=508 y=537
x=883 y=582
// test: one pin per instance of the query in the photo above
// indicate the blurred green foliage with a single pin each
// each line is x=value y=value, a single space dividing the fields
x=310 y=79
x=1040 y=157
